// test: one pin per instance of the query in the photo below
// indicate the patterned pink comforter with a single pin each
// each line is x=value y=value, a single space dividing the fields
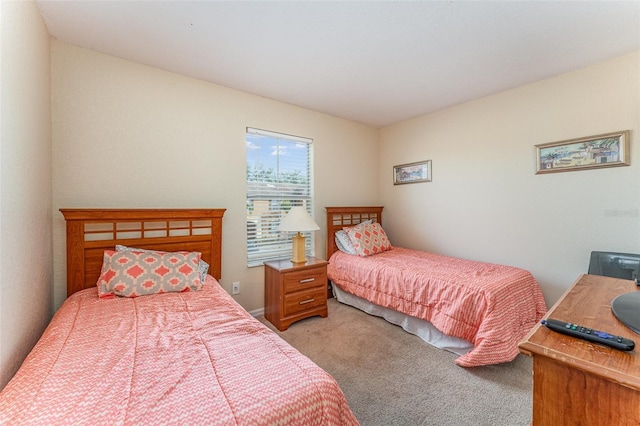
x=176 y=358
x=491 y=306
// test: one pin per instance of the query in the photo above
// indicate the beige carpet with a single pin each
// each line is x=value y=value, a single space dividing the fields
x=391 y=377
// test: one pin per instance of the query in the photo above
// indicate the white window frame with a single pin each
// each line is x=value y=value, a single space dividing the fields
x=269 y=198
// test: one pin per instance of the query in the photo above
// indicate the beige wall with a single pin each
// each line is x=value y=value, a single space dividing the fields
x=128 y=135
x=485 y=202
x=25 y=183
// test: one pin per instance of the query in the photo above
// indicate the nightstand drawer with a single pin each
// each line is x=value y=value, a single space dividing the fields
x=307 y=279
x=304 y=300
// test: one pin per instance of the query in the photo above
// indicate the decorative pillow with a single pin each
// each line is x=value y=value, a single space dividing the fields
x=344 y=243
x=203 y=266
x=369 y=239
x=138 y=273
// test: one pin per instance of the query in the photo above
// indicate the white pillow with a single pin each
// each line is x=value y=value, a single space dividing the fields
x=344 y=243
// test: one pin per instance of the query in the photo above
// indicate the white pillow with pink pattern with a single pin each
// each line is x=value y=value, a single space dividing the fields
x=203 y=266
x=368 y=239
x=343 y=242
x=140 y=273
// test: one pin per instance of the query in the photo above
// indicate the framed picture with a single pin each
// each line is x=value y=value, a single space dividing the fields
x=412 y=172
x=608 y=150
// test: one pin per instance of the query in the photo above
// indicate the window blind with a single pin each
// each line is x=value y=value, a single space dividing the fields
x=278 y=178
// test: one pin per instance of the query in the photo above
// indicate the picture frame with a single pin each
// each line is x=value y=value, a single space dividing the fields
x=606 y=150
x=412 y=172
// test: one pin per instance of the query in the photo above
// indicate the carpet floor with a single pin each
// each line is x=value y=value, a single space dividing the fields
x=391 y=377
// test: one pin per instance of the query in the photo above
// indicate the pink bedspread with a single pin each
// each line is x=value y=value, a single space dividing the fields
x=491 y=306
x=178 y=358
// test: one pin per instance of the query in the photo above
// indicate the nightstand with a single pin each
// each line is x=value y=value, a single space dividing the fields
x=294 y=291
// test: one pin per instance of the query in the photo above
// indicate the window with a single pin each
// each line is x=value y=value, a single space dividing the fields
x=278 y=178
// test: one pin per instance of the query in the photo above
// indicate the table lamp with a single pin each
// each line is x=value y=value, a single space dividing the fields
x=298 y=220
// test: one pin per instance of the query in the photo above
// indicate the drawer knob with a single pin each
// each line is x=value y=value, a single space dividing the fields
x=308 y=280
x=307 y=301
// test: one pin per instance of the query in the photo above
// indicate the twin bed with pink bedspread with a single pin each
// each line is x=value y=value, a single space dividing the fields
x=490 y=306
x=190 y=357
x=175 y=358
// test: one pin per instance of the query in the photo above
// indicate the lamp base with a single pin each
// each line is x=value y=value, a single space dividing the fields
x=298 y=249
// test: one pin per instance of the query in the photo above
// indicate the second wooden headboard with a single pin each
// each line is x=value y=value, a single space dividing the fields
x=92 y=231
x=339 y=217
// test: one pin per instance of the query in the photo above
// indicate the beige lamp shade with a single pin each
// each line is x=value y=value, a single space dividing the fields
x=298 y=220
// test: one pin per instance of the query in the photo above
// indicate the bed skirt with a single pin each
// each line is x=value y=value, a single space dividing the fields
x=419 y=327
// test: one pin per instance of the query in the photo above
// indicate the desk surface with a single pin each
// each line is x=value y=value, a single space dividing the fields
x=588 y=303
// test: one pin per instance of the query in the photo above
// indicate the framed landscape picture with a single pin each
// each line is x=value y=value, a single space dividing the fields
x=412 y=172
x=607 y=150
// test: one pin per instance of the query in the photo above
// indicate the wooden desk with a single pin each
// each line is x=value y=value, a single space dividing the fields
x=576 y=382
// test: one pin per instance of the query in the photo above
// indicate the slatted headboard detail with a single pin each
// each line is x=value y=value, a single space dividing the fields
x=339 y=217
x=91 y=231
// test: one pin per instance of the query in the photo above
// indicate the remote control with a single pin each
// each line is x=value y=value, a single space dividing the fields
x=595 y=336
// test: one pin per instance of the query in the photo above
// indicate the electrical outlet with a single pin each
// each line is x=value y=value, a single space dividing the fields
x=235 y=287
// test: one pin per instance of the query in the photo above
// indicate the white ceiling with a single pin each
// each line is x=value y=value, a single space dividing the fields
x=375 y=62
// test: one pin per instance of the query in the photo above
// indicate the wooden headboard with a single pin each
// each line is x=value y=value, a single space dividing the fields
x=91 y=231
x=339 y=217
